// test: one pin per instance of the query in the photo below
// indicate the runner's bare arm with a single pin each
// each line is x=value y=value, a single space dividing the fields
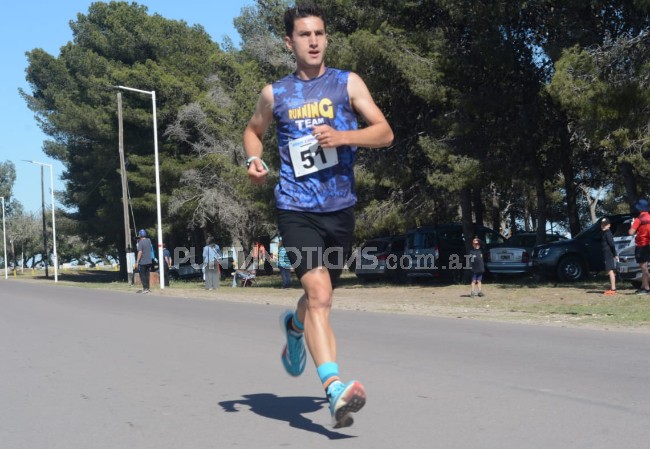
x=377 y=134
x=254 y=132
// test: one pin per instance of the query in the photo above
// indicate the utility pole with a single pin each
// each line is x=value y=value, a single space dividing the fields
x=46 y=257
x=125 y=201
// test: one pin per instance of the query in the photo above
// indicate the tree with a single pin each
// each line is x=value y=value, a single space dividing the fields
x=605 y=90
x=72 y=96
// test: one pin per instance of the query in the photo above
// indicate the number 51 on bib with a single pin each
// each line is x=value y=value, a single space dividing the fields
x=307 y=156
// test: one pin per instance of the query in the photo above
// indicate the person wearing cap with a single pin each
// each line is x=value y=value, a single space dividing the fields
x=609 y=254
x=144 y=260
x=640 y=229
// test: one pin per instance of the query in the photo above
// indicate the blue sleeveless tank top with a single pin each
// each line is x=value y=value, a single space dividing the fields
x=298 y=105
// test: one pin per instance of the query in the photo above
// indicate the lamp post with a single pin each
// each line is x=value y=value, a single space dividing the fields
x=54 y=256
x=155 y=147
x=4 y=235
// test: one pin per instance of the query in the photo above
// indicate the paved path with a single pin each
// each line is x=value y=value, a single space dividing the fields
x=91 y=369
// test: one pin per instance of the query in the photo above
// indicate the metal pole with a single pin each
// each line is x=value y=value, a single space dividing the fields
x=4 y=235
x=54 y=257
x=161 y=260
x=125 y=199
x=47 y=275
x=54 y=253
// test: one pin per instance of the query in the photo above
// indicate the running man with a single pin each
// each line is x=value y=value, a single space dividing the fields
x=315 y=113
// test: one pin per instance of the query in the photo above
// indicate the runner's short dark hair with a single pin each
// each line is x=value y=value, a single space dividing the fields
x=301 y=11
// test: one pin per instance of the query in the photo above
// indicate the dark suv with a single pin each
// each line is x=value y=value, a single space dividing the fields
x=438 y=251
x=370 y=259
x=570 y=260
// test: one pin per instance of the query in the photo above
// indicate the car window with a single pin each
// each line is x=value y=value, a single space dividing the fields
x=378 y=245
x=492 y=238
x=515 y=240
x=452 y=234
x=622 y=229
x=554 y=238
x=398 y=244
x=528 y=240
x=521 y=240
x=429 y=240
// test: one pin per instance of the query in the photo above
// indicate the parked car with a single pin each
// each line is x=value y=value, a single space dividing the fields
x=628 y=269
x=370 y=261
x=570 y=260
x=621 y=237
x=438 y=251
x=186 y=272
x=195 y=271
x=513 y=257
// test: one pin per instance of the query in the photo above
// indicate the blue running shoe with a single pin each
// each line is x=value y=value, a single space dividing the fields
x=294 y=356
x=348 y=399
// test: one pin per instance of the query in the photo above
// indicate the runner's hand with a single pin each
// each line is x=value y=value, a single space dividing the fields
x=328 y=137
x=256 y=172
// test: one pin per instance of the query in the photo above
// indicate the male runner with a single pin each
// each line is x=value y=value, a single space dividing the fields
x=315 y=113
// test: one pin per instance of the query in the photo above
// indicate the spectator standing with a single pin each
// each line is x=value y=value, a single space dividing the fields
x=211 y=257
x=167 y=263
x=144 y=260
x=609 y=254
x=284 y=265
x=478 y=267
x=640 y=229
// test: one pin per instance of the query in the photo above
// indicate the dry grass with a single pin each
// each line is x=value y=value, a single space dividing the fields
x=519 y=300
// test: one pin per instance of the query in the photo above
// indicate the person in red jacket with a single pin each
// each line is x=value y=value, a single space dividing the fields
x=640 y=229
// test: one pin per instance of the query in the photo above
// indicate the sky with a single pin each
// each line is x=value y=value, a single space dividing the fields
x=45 y=24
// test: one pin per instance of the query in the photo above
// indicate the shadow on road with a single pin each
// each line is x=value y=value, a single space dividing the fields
x=289 y=409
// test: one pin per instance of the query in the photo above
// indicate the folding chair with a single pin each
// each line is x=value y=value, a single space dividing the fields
x=244 y=278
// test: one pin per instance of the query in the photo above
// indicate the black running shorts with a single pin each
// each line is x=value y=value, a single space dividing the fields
x=314 y=240
x=642 y=254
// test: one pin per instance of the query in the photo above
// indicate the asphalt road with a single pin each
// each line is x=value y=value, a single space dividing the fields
x=91 y=369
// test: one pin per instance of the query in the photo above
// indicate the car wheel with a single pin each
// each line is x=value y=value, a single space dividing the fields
x=570 y=269
x=636 y=284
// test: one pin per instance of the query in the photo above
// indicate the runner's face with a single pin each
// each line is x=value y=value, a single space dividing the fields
x=308 y=42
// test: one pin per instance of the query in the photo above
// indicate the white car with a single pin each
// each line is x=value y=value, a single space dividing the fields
x=621 y=237
x=514 y=256
x=627 y=268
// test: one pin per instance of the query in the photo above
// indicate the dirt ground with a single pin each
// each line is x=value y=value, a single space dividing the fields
x=538 y=303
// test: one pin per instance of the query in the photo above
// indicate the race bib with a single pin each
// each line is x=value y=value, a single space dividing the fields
x=307 y=156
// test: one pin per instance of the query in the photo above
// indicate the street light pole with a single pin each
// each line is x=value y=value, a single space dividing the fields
x=161 y=259
x=128 y=248
x=54 y=255
x=4 y=235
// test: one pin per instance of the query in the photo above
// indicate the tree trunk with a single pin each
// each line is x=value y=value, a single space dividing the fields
x=496 y=210
x=569 y=182
x=541 y=203
x=629 y=180
x=479 y=209
x=466 y=216
x=466 y=221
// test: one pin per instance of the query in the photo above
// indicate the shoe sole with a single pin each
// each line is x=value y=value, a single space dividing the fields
x=353 y=399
